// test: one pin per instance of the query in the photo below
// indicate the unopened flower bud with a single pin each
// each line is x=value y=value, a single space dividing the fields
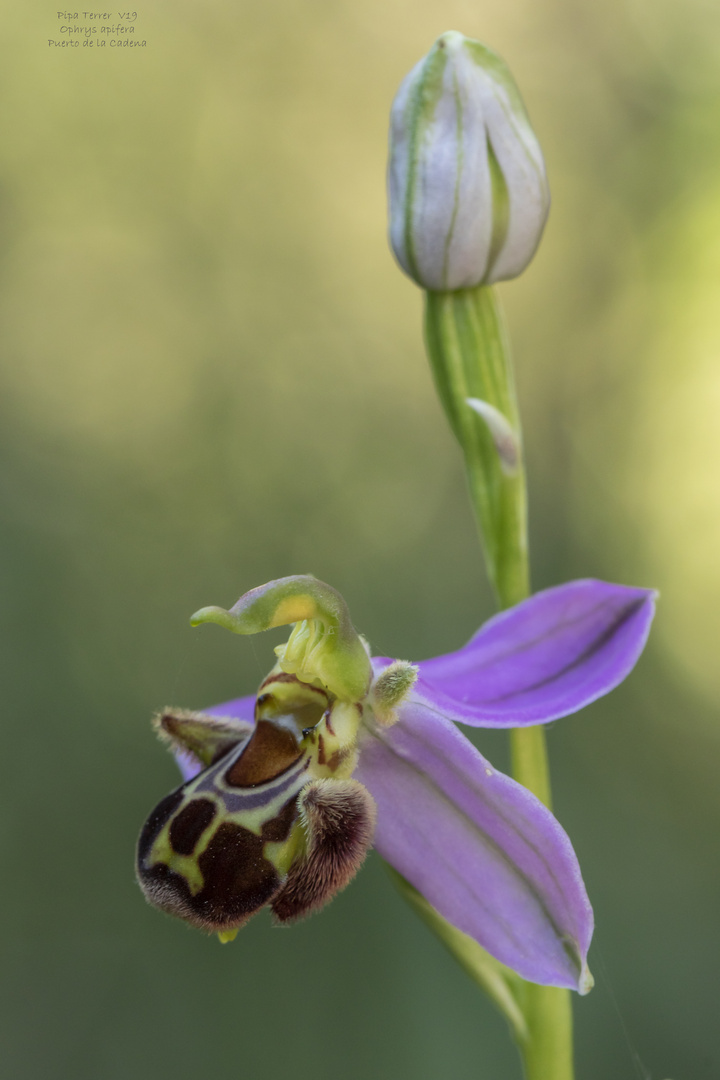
x=467 y=185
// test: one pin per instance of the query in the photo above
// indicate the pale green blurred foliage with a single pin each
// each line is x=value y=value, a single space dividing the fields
x=212 y=375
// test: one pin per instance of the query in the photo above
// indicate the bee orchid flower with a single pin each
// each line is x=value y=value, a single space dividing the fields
x=284 y=792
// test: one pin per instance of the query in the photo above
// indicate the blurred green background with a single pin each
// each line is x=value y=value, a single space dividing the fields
x=212 y=375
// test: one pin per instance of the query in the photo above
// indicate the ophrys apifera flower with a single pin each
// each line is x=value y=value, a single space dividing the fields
x=284 y=792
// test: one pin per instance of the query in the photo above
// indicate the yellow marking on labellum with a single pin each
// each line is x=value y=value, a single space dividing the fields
x=280 y=853
x=283 y=853
x=186 y=866
x=258 y=818
x=224 y=936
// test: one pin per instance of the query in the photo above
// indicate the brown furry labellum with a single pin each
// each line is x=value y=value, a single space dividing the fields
x=338 y=817
x=253 y=827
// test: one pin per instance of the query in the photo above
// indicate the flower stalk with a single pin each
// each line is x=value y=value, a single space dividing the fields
x=547 y=1048
x=468 y=202
x=470 y=358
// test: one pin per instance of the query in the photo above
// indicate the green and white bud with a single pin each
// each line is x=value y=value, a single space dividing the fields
x=468 y=192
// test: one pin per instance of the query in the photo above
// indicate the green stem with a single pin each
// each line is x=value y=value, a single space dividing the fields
x=470 y=357
x=547 y=1051
x=529 y=761
x=501 y=985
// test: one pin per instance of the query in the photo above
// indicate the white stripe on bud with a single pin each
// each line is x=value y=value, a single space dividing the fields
x=467 y=185
x=503 y=435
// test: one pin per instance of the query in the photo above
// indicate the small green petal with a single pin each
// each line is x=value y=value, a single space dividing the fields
x=391 y=688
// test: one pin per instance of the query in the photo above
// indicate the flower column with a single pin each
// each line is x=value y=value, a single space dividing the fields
x=468 y=203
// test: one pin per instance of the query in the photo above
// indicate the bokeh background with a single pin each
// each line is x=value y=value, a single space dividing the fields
x=212 y=375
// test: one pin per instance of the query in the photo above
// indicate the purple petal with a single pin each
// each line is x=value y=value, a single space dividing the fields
x=484 y=851
x=242 y=708
x=545 y=658
x=187 y=763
